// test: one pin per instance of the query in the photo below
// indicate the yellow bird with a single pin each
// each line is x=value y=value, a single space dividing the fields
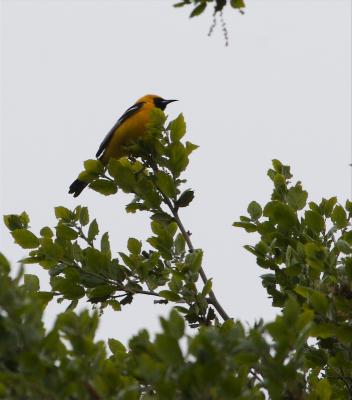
x=131 y=125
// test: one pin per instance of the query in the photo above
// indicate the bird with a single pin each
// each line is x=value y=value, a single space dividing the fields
x=131 y=125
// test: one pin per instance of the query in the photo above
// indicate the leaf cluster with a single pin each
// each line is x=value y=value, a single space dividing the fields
x=201 y=5
x=218 y=362
x=61 y=363
x=306 y=248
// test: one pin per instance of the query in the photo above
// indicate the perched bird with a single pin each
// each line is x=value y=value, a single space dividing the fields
x=131 y=125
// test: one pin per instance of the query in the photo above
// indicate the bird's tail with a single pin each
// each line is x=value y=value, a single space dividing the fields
x=77 y=187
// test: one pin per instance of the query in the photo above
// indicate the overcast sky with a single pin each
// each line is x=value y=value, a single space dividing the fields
x=282 y=89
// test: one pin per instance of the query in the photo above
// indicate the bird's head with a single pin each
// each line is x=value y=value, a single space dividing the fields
x=157 y=101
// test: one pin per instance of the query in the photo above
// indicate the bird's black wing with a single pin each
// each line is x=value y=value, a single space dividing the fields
x=123 y=118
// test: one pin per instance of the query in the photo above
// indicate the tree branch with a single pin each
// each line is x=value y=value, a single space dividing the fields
x=212 y=298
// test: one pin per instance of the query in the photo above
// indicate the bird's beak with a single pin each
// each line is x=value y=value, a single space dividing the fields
x=166 y=102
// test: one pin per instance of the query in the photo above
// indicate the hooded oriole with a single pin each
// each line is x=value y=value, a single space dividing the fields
x=131 y=125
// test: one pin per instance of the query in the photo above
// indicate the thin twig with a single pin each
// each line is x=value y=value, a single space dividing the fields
x=255 y=375
x=119 y=286
x=214 y=301
x=83 y=236
x=92 y=392
x=212 y=298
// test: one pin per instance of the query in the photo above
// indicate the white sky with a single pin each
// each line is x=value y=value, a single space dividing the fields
x=281 y=90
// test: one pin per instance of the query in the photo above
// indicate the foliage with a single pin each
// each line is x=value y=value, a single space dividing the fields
x=305 y=353
x=219 y=362
x=306 y=250
x=62 y=363
x=201 y=5
x=218 y=6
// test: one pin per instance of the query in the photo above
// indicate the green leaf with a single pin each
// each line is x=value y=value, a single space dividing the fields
x=114 y=304
x=176 y=325
x=25 y=238
x=323 y=389
x=190 y=147
x=207 y=287
x=314 y=221
x=24 y=218
x=96 y=261
x=280 y=214
x=314 y=207
x=296 y=197
x=318 y=299
x=65 y=232
x=194 y=260
x=101 y=293
x=339 y=217
x=237 y=4
x=84 y=216
x=344 y=246
x=116 y=347
x=69 y=289
x=169 y=295
x=347 y=236
x=46 y=232
x=104 y=187
x=134 y=246
x=328 y=205
x=185 y=199
x=324 y=330
x=87 y=177
x=248 y=226
x=93 y=230
x=198 y=10
x=277 y=165
x=13 y=221
x=31 y=282
x=157 y=121
x=168 y=350
x=303 y=291
x=105 y=244
x=4 y=264
x=348 y=206
x=32 y=260
x=162 y=217
x=254 y=210
x=63 y=213
x=177 y=128
x=122 y=174
x=178 y=158
x=166 y=184
x=94 y=167
x=291 y=311
x=316 y=255
x=180 y=244
x=91 y=280
x=279 y=182
x=182 y=3
x=135 y=206
x=51 y=250
x=344 y=334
